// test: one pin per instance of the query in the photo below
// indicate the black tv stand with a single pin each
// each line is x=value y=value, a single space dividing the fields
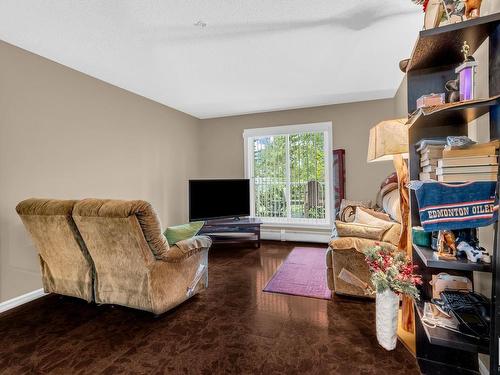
x=233 y=231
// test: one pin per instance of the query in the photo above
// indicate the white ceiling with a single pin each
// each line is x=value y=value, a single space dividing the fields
x=253 y=55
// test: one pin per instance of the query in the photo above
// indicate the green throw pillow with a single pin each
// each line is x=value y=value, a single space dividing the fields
x=182 y=232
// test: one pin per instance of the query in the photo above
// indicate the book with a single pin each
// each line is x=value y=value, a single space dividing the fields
x=431 y=148
x=462 y=152
x=432 y=159
x=423 y=176
x=430 y=156
x=420 y=145
x=433 y=162
x=479 y=149
x=467 y=169
x=467 y=161
x=429 y=168
x=465 y=177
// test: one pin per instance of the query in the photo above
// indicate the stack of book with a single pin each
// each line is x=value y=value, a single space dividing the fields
x=429 y=156
x=478 y=162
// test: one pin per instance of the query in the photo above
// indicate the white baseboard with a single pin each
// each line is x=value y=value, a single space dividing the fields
x=18 y=301
x=296 y=235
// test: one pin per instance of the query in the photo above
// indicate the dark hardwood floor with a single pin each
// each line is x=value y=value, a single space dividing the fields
x=231 y=328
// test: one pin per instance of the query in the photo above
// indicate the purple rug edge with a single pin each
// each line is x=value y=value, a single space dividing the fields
x=286 y=279
x=296 y=294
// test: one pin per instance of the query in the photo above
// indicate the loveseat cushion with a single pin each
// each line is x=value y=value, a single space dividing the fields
x=147 y=218
x=65 y=263
x=393 y=234
x=392 y=229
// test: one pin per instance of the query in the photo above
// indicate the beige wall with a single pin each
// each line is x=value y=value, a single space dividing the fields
x=222 y=141
x=66 y=135
x=401 y=99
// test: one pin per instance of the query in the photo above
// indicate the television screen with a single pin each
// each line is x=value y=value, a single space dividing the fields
x=210 y=199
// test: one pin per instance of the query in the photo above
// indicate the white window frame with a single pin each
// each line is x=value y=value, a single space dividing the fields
x=319 y=127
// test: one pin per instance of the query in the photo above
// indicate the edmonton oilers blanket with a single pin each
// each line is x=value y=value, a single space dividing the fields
x=456 y=206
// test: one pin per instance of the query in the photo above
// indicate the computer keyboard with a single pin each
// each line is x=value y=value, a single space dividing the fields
x=471 y=310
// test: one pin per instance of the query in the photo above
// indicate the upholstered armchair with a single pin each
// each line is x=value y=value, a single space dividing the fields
x=134 y=264
x=346 y=248
x=65 y=262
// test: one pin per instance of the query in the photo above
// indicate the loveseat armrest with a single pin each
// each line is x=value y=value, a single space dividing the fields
x=186 y=248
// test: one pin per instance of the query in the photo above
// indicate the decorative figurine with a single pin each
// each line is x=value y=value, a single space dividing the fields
x=465 y=50
x=453 y=12
x=447 y=248
x=473 y=255
x=472 y=8
x=466 y=72
x=452 y=91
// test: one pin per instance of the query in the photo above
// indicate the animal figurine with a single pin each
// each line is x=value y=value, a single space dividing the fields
x=452 y=91
x=447 y=248
x=472 y=8
x=473 y=255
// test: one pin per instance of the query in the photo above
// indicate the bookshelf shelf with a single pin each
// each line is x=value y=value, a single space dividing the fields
x=441 y=46
x=453 y=113
x=443 y=337
x=430 y=260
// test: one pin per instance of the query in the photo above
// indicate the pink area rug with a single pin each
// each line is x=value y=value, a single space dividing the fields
x=303 y=273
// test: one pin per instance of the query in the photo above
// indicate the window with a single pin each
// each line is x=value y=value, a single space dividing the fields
x=290 y=170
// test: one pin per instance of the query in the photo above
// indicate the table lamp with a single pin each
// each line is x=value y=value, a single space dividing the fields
x=389 y=141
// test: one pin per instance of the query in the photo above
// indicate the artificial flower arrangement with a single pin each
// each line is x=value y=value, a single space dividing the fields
x=422 y=2
x=392 y=270
x=392 y=275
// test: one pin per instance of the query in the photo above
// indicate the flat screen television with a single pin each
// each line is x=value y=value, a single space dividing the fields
x=216 y=199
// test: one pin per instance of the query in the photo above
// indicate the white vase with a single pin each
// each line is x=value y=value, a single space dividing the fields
x=387 y=306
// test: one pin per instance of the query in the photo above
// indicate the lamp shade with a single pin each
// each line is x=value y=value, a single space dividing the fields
x=387 y=139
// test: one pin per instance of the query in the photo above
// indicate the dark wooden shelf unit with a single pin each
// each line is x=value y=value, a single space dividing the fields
x=442 y=44
x=449 y=339
x=433 y=62
x=428 y=257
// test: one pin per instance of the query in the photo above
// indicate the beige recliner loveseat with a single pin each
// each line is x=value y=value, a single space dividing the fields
x=133 y=264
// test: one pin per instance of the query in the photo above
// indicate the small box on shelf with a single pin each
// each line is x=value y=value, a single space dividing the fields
x=430 y=100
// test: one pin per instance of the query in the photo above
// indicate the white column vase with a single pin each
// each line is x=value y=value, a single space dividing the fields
x=387 y=306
